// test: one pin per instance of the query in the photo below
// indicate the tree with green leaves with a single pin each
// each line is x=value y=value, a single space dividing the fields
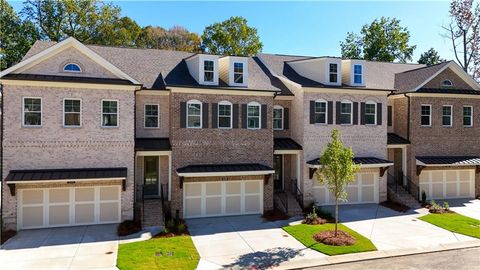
x=176 y=38
x=430 y=57
x=336 y=170
x=232 y=37
x=382 y=40
x=16 y=36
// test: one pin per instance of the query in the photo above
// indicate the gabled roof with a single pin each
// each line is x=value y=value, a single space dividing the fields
x=159 y=69
x=413 y=80
x=50 y=50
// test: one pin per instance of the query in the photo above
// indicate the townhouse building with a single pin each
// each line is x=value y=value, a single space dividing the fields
x=97 y=134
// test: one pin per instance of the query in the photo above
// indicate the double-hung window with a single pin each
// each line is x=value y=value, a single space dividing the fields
x=320 y=112
x=333 y=75
x=346 y=113
x=253 y=115
x=208 y=70
x=238 y=73
x=72 y=112
x=447 y=115
x=32 y=112
x=224 y=114
x=357 y=74
x=467 y=116
x=426 y=115
x=151 y=116
x=194 y=114
x=370 y=113
x=277 y=118
x=109 y=113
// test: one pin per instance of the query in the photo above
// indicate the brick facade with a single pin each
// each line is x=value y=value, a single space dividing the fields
x=164 y=113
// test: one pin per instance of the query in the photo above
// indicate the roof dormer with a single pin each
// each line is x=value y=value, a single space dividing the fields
x=234 y=70
x=353 y=72
x=204 y=68
x=325 y=70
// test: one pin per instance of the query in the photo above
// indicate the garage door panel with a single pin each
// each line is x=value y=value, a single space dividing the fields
x=213 y=189
x=464 y=190
x=59 y=215
x=193 y=207
x=252 y=187
x=213 y=206
x=84 y=213
x=109 y=194
x=109 y=212
x=437 y=176
x=352 y=194
x=320 y=195
x=252 y=204
x=233 y=205
x=451 y=189
x=368 y=194
x=84 y=194
x=437 y=190
x=59 y=195
x=31 y=196
x=32 y=216
x=233 y=188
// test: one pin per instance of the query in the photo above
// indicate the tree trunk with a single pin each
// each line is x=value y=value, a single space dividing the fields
x=465 y=62
x=336 y=216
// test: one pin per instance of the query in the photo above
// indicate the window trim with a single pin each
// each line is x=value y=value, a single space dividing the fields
x=330 y=72
x=118 y=113
x=72 y=71
x=447 y=85
x=375 y=122
x=224 y=102
x=326 y=111
x=429 y=116
x=471 y=116
x=194 y=101
x=243 y=73
x=254 y=103
x=212 y=71
x=145 y=115
x=361 y=74
x=278 y=107
x=41 y=113
x=451 y=115
x=351 y=112
x=81 y=113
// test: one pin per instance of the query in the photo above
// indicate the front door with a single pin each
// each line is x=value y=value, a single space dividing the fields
x=150 y=183
x=278 y=176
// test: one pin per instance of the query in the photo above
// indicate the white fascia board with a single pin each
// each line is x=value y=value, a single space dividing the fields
x=212 y=174
x=286 y=152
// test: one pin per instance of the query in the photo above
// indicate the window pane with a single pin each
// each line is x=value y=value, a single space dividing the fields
x=32 y=119
x=370 y=119
x=238 y=78
x=193 y=121
x=208 y=65
x=151 y=109
x=357 y=69
x=32 y=112
x=425 y=110
x=109 y=106
x=277 y=124
x=346 y=107
x=109 y=120
x=238 y=67
x=446 y=121
x=370 y=108
x=72 y=105
x=151 y=121
x=32 y=104
x=333 y=77
x=277 y=113
x=253 y=110
x=193 y=109
x=320 y=107
x=357 y=78
x=224 y=110
x=320 y=118
x=151 y=170
x=467 y=111
x=224 y=122
x=345 y=118
x=425 y=120
x=253 y=122
x=333 y=68
x=72 y=119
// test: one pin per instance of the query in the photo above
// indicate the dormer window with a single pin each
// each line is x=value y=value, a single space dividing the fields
x=357 y=74
x=208 y=71
x=447 y=83
x=238 y=73
x=71 y=67
x=333 y=68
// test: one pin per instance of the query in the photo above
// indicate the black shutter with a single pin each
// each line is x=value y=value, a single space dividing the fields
x=330 y=112
x=214 y=115
x=389 y=116
x=204 y=115
x=355 y=113
x=286 y=119
x=362 y=113
x=264 y=116
x=183 y=114
x=379 y=113
x=312 y=112
x=235 y=116
x=337 y=112
x=244 y=115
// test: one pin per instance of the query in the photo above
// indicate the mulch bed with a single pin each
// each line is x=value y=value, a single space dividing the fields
x=274 y=215
x=7 y=235
x=128 y=227
x=395 y=206
x=328 y=238
x=317 y=221
x=168 y=235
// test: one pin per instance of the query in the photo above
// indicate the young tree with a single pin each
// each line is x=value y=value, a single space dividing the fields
x=464 y=33
x=430 y=57
x=177 y=38
x=336 y=170
x=232 y=37
x=383 y=40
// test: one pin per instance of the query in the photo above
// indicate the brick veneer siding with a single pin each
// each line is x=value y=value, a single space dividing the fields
x=400 y=116
x=52 y=146
x=447 y=74
x=164 y=112
x=218 y=146
x=285 y=132
x=54 y=65
x=365 y=140
x=442 y=141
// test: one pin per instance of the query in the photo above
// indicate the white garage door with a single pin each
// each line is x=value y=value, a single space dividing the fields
x=448 y=184
x=363 y=190
x=68 y=206
x=208 y=199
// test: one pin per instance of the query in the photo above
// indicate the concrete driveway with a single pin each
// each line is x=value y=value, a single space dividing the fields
x=83 y=247
x=466 y=207
x=389 y=230
x=242 y=242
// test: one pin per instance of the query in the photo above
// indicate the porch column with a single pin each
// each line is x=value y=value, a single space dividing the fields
x=404 y=164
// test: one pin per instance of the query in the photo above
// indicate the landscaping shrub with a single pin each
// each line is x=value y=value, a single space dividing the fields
x=435 y=208
x=274 y=215
x=174 y=227
x=329 y=238
x=313 y=219
x=320 y=213
x=128 y=227
x=424 y=197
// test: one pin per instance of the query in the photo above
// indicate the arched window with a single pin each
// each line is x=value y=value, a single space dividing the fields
x=277 y=117
x=194 y=114
x=447 y=83
x=225 y=114
x=370 y=113
x=253 y=115
x=72 y=67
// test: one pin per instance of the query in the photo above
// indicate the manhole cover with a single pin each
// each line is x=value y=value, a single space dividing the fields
x=109 y=252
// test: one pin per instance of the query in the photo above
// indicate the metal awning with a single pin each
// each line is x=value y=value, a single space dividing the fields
x=203 y=170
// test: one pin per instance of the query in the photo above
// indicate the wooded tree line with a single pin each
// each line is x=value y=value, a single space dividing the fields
x=101 y=23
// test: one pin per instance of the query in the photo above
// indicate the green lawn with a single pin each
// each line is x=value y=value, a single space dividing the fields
x=455 y=223
x=143 y=255
x=304 y=233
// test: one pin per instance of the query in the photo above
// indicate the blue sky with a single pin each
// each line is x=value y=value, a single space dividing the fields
x=303 y=28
